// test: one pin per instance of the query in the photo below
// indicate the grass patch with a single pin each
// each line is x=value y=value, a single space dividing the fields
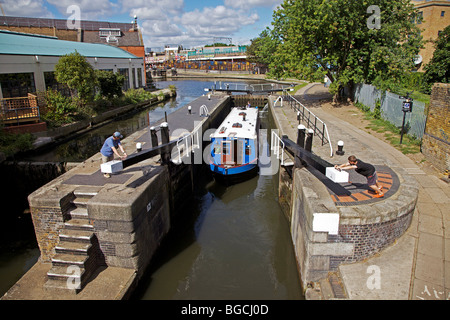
x=295 y=89
x=416 y=95
x=392 y=133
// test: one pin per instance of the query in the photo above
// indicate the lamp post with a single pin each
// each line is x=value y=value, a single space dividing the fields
x=406 y=107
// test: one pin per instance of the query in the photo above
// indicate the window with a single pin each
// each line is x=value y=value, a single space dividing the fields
x=442 y=13
x=125 y=73
x=419 y=18
x=50 y=82
x=17 y=84
x=107 y=32
x=226 y=148
x=248 y=150
x=139 y=72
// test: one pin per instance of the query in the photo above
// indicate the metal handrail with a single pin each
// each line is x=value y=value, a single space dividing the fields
x=186 y=143
x=310 y=122
x=275 y=141
x=185 y=139
x=205 y=109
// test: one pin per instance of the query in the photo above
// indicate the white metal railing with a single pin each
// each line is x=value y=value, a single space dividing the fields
x=275 y=142
x=280 y=98
x=188 y=142
x=235 y=86
x=258 y=87
x=311 y=121
x=204 y=109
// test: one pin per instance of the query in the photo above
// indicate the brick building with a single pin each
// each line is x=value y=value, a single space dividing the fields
x=435 y=16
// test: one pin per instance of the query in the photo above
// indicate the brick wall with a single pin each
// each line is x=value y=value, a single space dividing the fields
x=436 y=142
x=69 y=35
x=48 y=221
x=363 y=231
x=368 y=239
x=137 y=51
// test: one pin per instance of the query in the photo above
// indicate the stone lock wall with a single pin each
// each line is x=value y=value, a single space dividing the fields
x=130 y=225
x=357 y=232
x=436 y=141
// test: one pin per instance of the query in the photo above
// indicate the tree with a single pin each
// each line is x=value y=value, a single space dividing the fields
x=74 y=71
x=338 y=38
x=262 y=48
x=438 y=69
x=110 y=83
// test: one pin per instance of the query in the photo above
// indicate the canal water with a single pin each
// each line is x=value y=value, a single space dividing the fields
x=232 y=242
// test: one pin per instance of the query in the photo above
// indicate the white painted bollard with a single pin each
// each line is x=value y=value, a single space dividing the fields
x=340 y=151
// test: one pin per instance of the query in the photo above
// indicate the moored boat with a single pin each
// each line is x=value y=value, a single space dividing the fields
x=234 y=146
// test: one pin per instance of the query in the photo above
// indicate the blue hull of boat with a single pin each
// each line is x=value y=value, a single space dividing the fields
x=234 y=175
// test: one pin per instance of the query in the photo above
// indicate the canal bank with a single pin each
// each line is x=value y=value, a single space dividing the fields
x=333 y=224
x=19 y=247
x=415 y=264
x=252 y=228
x=53 y=205
x=120 y=221
x=49 y=138
x=229 y=75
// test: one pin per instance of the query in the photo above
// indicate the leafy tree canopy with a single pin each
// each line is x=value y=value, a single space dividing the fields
x=110 y=83
x=337 y=38
x=438 y=69
x=74 y=71
x=262 y=49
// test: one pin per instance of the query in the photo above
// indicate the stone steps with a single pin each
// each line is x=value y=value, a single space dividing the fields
x=79 y=236
x=329 y=288
x=81 y=213
x=332 y=287
x=73 y=262
x=73 y=248
x=80 y=224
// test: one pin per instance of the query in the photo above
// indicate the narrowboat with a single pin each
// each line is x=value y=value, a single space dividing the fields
x=234 y=146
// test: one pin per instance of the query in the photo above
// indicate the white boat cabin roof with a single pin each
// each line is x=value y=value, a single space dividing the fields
x=240 y=123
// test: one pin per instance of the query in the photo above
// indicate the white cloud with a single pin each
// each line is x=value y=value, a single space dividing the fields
x=144 y=8
x=191 y=28
x=252 y=3
x=148 y=14
x=25 y=8
x=89 y=9
x=161 y=28
x=218 y=21
x=161 y=21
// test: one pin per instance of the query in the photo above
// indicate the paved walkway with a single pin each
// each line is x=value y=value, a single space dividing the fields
x=417 y=266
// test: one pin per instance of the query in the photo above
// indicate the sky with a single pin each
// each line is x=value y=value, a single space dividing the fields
x=177 y=22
